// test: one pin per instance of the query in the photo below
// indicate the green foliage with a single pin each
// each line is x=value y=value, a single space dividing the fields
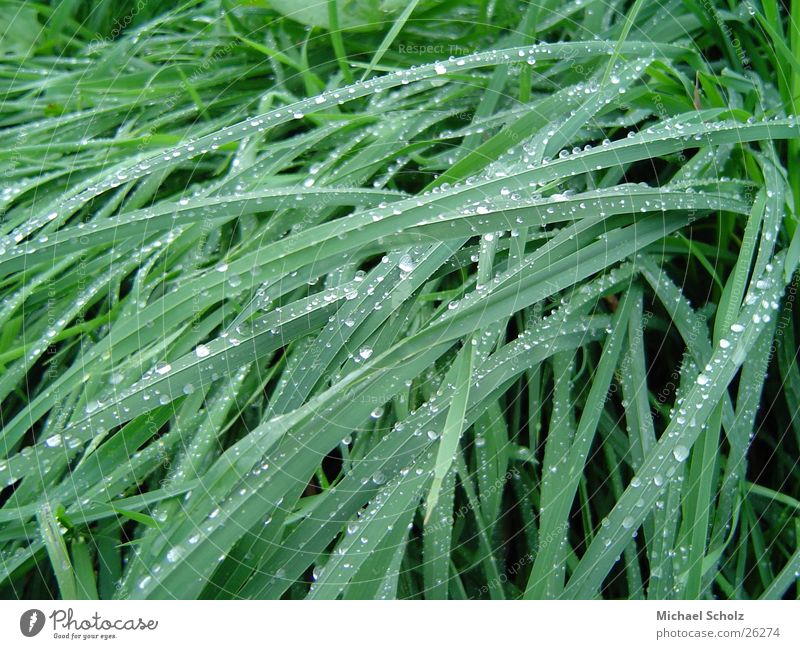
x=399 y=300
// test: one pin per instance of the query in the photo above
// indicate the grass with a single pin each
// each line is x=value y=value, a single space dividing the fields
x=453 y=300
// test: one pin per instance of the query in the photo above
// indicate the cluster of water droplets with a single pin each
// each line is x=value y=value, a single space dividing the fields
x=692 y=408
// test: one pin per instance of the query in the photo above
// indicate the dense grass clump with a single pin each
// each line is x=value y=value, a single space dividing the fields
x=420 y=299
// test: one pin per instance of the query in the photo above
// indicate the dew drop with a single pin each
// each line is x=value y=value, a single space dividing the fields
x=680 y=453
x=406 y=264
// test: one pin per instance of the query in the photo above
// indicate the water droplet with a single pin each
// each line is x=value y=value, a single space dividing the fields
x=53 y=441
x=406 y=264
x=680 y=453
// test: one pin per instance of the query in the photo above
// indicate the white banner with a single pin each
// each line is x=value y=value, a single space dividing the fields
x=376 y=625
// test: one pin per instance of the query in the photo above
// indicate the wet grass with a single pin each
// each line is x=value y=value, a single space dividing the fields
x=458 y=300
